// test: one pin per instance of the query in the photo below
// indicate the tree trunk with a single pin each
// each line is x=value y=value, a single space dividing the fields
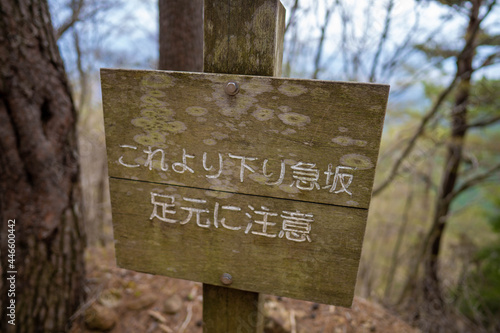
x=431 y=287
x=39 y=174
x=181 y=35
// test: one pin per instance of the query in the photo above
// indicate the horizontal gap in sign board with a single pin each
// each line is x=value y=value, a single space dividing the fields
x=222 y=191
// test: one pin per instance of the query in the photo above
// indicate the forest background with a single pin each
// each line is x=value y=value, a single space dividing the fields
x=432 y=244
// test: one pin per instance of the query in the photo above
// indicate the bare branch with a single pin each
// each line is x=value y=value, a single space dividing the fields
x=485 y=122
x=83 y=10
x=472 y=32
x=391 y=63
x=321 y=42
x=488 y=11
x=76 y=7
x=400 y=54
x=293 y=12
x=82 y=74
x=489 y=60
x=469 y=45
x=473 y=181
x=420 y=130
x=383 y=39
x=344 y=16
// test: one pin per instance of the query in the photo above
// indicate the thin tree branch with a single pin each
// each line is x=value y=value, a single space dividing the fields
x=76 y=7
x=393 y=61
x=399 y=55
x=485 y=122
x=383 y=39
x=489 y=60
x=344 y=17
x=425 y=120
x=488 y=11
x=469 y=45
x=321 y=42
x=79 y=13
x=473 y=181
x=293 y=12
x=81 y=72
x=472 y=33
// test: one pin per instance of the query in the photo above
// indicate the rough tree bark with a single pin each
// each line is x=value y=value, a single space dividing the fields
x=431 y=286
x=181 y=35
x=39 y=173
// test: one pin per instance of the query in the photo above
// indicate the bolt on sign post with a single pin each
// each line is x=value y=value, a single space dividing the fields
x=238 y=179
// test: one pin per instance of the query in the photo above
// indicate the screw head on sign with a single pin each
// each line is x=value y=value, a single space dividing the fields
x=226 y=279
x=232 y=88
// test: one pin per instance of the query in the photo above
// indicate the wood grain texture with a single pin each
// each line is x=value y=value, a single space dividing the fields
x=323 y=269
x=240 y=37
x=232 y=310
x=186 y=117
x=328 y=124
x=244 y=37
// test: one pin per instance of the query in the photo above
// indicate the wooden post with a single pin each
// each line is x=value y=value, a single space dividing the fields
x=240 y=37
x=244 y=37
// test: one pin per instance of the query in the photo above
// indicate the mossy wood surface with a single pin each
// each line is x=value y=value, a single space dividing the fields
x=232 y=310
x=279 y=231
x=323 y=269
x=240 y=37
x=244 y=37
x=268 y=140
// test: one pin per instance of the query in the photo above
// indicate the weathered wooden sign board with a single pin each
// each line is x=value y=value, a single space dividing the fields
x=271 y=185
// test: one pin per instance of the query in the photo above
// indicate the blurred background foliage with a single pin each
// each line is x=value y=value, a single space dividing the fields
x=433 y=234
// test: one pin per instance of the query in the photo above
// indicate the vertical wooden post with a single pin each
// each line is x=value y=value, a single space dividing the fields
x=244 y=37
x=240 y=37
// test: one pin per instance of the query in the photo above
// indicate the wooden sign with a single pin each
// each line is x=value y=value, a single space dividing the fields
x=255 y=183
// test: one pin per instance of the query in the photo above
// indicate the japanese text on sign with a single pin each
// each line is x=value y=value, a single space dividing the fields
x=295 y=225
x=306 y=176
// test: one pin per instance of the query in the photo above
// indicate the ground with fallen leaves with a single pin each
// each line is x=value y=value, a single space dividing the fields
x=122 y=301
